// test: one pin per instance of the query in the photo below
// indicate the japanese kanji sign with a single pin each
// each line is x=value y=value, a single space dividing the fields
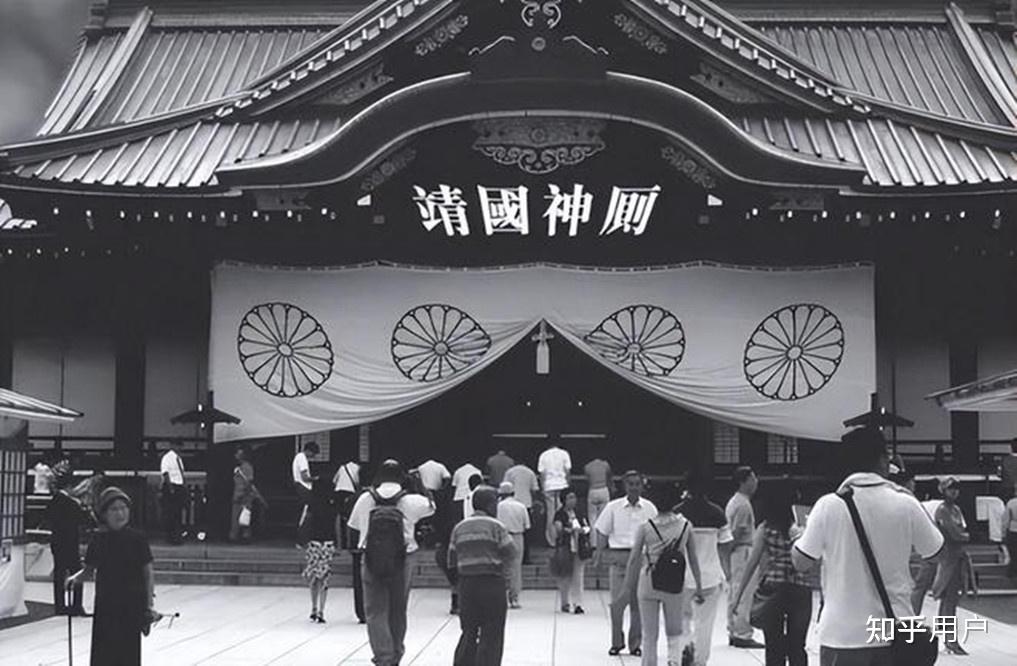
x=506 y=210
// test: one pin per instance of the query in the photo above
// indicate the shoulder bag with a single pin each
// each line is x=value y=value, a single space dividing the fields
x=910 y=648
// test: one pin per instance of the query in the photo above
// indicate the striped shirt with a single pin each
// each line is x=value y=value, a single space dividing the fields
x=779 y=568
x=480 y=546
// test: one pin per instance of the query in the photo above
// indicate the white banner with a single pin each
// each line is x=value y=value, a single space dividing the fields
x=295 y=350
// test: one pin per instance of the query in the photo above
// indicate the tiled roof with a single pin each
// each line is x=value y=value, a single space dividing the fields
x=920 y=65
x=174 y=69
x=1002 y=51
x=893 y=154
x=93 y=55
x=186 y=157
x=703 y=20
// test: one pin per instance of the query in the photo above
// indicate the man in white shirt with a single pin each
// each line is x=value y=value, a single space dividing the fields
x=433 y=475
x=554 y=466
x=516 y=520
x=896 y=525
x=712 y=536
x=461 y=480
x=616 y=530
x=527 y=491
x=174 y=494
x=347 y=486
x=302 y=479
x=386 y=598
x=742 y=521
x=42 y=478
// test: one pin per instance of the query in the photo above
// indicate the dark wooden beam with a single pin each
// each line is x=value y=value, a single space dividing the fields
x=6 y=331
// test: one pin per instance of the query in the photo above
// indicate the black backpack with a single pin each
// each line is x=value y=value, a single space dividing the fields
x=385 y=551
x=668 y=574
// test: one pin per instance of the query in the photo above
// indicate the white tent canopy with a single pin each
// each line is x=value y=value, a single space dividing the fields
x=993 y=394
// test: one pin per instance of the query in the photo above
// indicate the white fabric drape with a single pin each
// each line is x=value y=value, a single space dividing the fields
x=790 y=351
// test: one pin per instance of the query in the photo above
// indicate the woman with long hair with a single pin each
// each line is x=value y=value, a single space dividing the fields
x=321 y=545
x=572 y=533
x=784 y=595
x=656 y=544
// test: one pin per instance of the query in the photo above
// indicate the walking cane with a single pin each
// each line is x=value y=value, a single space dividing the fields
x=68 y=601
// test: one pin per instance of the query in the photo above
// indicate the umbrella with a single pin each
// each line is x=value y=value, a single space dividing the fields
x=878 y=417
x=205 y=415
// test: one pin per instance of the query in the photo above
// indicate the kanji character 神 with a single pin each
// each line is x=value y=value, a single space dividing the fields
x=571 y=208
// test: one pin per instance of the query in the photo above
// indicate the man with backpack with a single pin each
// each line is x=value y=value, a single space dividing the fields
x=385 y=517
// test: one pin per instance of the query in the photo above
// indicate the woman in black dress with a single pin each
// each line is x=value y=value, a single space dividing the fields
x=124 y=588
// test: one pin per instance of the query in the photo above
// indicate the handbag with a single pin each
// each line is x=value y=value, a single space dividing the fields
x=244 y=519
x=912 y=647
x=765 y=604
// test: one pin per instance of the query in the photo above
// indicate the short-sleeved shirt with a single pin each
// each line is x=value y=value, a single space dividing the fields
x=243 y=482
x=620 y=519
x=524 y=480
x=554 y=466
x=896 y=525
x=709 y=529
x=497 y=465
x=481 y=546
x=433 y=475
x=414 y=507
x=119 y=558
x=513 y=515
x=300 y=464
x=65 y=517
x=1010 y=517
x=597 y=472
x=741 y=519
x=461 y=480
x=171 y=464
x=347 y=478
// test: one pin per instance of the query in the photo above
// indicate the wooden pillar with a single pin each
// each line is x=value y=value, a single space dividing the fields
x=6 y=330
x=752 y=448
x=964 y=436
x=129 y=340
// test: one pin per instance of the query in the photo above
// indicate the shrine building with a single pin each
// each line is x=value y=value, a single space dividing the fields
x=670 y=233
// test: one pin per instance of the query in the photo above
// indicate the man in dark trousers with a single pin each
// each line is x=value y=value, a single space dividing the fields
x=481 y=550
x=65 y=517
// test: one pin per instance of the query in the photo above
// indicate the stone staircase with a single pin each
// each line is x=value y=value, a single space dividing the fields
x=281 y=565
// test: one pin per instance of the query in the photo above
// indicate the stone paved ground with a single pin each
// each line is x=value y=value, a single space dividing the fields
x=254 y=626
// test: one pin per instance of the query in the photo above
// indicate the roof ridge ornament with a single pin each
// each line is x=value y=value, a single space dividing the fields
x=549 y=10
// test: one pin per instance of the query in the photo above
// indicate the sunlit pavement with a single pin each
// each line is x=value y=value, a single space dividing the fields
x=269 y=625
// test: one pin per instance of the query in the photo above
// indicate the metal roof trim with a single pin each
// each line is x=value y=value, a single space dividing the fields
x=60 y=145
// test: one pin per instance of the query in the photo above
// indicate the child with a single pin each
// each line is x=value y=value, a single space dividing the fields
x=321 y=547
x=124 y=584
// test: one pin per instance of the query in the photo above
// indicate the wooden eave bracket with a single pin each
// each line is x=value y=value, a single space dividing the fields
x=982 y=63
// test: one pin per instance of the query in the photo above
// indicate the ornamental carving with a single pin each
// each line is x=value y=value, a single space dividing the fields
x=358 y=88
x=688 y=167
x=442 y=35
x=549 y=10
x=641 y=34
x=384 y=171
x=539 y=145
x=728 y=87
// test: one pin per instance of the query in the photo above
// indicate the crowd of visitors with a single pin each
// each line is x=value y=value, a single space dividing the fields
x=671 y=554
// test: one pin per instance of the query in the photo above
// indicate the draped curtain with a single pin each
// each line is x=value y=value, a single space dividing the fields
x=296 y=350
